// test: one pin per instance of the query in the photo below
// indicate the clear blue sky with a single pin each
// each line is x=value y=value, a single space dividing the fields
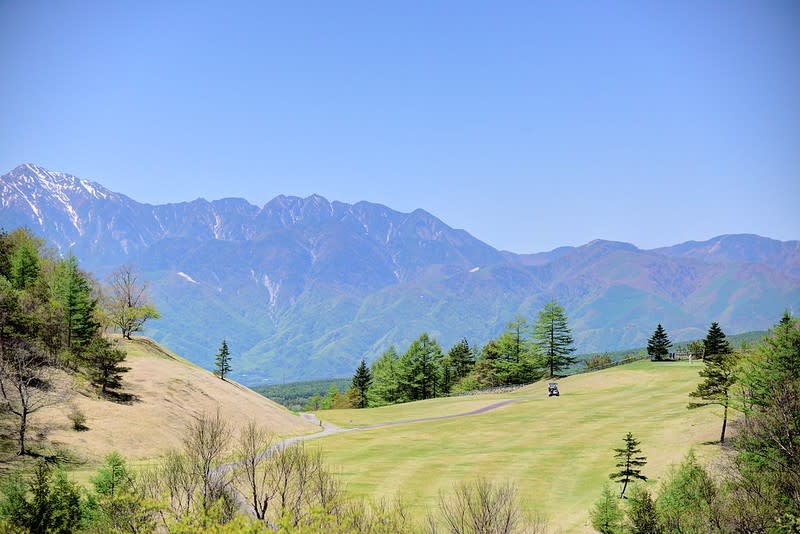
x=531 y=125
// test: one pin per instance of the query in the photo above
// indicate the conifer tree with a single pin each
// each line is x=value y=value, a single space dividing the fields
x=658 y=345
x=103 y=364
x=420 y=370
x=553 y=338
x=719 y=374
x=715 y=343
x=461 y=360
x=629 y=463
x=223 y=361
x=385 y=387
x=75 y=297
x=362 y=379
x=25 y=263
x=606 y=515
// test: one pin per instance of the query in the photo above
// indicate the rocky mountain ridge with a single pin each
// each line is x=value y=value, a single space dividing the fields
x=304 y=287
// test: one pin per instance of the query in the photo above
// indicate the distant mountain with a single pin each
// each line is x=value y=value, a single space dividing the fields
x=303 y=288
x=743 y=248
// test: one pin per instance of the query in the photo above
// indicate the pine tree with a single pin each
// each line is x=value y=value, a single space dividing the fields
x=553 y=338
x=715 y=343
x=719 y=374
x=629 y=463
x=223 y=361
x=641 y=512
x=658 y=345
x=362 y=379
x=461 y=360
x=103 y=364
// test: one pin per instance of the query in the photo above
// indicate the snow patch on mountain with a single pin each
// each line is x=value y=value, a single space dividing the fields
x=187 y=277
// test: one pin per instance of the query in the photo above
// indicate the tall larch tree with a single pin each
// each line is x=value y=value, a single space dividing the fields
x=658 y=345
x=385 y=388
x=419 y=370
x=74 y=293
x=553 y=338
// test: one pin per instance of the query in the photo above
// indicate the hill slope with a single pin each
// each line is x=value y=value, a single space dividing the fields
x=168 y=391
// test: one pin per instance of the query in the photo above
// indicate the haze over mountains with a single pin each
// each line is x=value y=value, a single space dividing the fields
x=303 y=288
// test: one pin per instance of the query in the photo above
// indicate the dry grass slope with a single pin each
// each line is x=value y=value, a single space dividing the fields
x=167 y=391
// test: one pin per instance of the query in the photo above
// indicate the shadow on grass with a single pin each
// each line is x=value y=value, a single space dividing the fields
x=121 y=397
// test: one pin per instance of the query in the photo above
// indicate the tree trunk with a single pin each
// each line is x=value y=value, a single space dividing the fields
x=724 y=424
x=624 y=487
x=23 y=423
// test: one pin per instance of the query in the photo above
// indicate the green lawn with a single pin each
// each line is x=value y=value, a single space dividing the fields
x=557 y=450
x=409 y=410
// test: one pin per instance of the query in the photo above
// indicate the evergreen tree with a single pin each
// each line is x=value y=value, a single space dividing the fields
x=786 y=319
x=362 y=379
x=461 y=360
x=420 y=370
x=74 y=294
x=487 y=366
x=25 y=263
x=768 y=439
x=629 y=463
x=642 y=513
x=606 y=515
x=385 y=387
x=658 y=345
x=103 y=364
x=715 y=343
x=553 y=338
x=688 y=498
x=719 y=373
x=222 y=361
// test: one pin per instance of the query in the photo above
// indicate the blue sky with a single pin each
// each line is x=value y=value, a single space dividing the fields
x=531 y=125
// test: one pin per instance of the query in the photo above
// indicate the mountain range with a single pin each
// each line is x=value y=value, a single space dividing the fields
x=303 y=288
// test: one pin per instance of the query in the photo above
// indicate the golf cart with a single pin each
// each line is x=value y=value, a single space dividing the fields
x=552 y=390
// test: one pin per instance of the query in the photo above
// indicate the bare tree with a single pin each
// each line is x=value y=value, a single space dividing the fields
x=26 y=383
x=129 y=307
x=480 y=507
x=205 y=441
x=252 y=471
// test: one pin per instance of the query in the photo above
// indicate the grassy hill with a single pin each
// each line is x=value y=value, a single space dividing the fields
x=557 y=450
x=165 y=391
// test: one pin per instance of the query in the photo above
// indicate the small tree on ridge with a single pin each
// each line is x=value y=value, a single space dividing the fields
x=223 y=361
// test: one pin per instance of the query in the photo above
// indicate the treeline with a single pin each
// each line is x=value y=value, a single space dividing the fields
x=523 y=353
x=296 y=395
x=52 y=319
x=755 y=486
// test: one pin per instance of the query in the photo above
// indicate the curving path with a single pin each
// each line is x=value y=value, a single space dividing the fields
x=329 y=428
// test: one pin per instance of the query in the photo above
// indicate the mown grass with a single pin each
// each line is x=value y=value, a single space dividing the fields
x=410 y=410
x=557 y=450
